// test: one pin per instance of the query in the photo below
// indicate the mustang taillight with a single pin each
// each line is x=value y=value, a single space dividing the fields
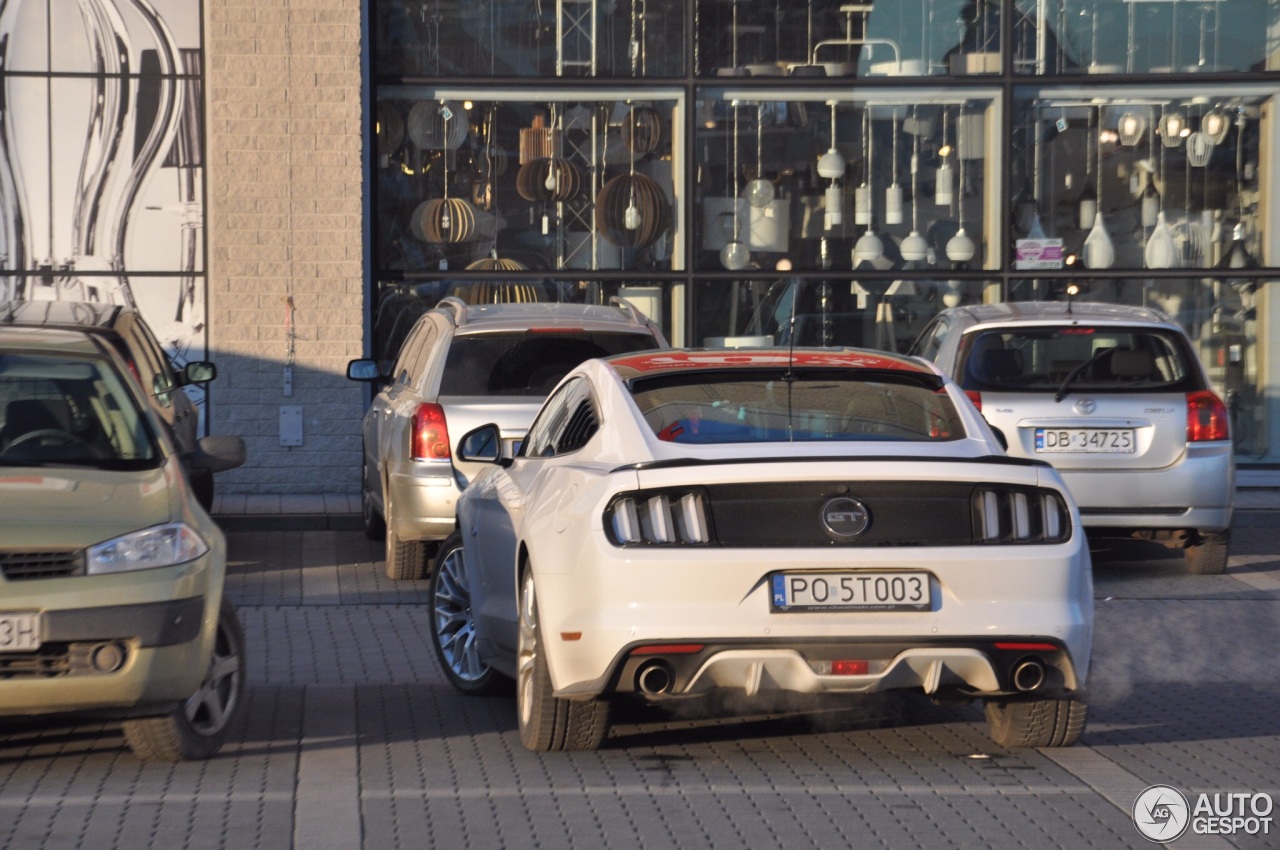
x=670 y=518
x=430 y=439
x=1019 y=515
x=1206 y=417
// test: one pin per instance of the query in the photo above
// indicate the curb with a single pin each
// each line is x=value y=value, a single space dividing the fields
x=289 y=522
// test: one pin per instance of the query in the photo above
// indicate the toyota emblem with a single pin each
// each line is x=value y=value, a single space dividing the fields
x=1085 y=406
x=845 y=518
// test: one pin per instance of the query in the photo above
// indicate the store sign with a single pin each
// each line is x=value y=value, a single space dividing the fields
x=1038 y=254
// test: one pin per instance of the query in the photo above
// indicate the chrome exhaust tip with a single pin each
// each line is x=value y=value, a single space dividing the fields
x=655 y=678
x=1029 y=674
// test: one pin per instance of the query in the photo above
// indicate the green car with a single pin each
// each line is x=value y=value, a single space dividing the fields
x=111 y=574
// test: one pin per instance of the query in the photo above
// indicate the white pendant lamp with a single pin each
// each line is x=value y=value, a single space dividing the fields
x=760 y=192
x=632 y=218
x=833 y=200
x=1087 y=204
x=1215 y=126
x=960 y=248
x=868 y=248
x=914 y=248
x=1130 y=128
x=944 y=180
x=735 y=255
x=1173 y=126
x=1199 y=149
x=1099 y=252
x=862 y=195
x=831 y=166
x=1160 y=251
x=893 y=194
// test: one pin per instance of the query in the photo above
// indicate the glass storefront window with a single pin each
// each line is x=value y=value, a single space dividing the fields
x=1149 y=37
x=886 y=314
x=1138 y=178
x=834 y=173
x=1223 y=316
x=813 y=181
x=584 y=181
x=822 y=38
x=518 y=38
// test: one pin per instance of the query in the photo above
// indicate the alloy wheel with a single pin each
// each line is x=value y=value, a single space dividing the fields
x=214 y=702
x=454 y=625
x=527 y=655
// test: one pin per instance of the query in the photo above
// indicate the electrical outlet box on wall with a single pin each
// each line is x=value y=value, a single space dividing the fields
x=290 y=425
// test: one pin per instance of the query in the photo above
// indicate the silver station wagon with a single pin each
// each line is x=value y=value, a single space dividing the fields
x=459 y=367
x=1113 y=396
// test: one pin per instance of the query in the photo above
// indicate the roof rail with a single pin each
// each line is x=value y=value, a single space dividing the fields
x=457 y=305
x=632 y=311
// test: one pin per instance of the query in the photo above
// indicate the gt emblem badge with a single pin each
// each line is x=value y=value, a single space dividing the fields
x=1085 y=406
x=845 y=518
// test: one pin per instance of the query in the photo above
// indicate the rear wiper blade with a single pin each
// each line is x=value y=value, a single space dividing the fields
x=1075 y=373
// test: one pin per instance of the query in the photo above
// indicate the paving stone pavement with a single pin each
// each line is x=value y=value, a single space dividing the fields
x=353 y=738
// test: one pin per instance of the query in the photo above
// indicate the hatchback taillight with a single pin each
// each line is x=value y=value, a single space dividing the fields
x=1206 y=417
x=430 y=440
x=975 y=397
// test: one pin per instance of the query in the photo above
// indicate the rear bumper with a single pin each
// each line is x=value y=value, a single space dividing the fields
x=618 y=599
x=971 y=667
x=1198 y=492
x=424 y=495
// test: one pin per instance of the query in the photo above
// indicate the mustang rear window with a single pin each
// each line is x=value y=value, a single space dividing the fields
x=1096 y=359
x=765 y=406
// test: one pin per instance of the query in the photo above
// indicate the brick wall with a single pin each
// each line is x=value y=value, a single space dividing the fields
x=284 y=226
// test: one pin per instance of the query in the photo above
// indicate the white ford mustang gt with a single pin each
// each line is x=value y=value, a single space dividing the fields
x=817 y=520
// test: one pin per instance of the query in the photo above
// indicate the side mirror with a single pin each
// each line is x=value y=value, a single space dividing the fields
x=364 y=370
x=481 y=445
x=197 y=372
x=216 y=454
x=1000 y=438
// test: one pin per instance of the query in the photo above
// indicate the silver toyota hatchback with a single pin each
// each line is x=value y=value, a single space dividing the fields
x=1113 y=396
x=462 y=366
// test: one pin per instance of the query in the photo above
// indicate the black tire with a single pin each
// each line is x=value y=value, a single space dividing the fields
x=1209 y=556
x=406 y=559
x=453 y=630
x=1037 y=722
x=374 y=526
x=197 y=727
x=548 y=724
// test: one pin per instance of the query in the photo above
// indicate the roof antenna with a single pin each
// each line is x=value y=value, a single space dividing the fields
x=1072 y=291
x=790 y=376
x=791 y=330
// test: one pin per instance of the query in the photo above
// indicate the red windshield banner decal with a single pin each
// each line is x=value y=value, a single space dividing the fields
x=663 y=360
